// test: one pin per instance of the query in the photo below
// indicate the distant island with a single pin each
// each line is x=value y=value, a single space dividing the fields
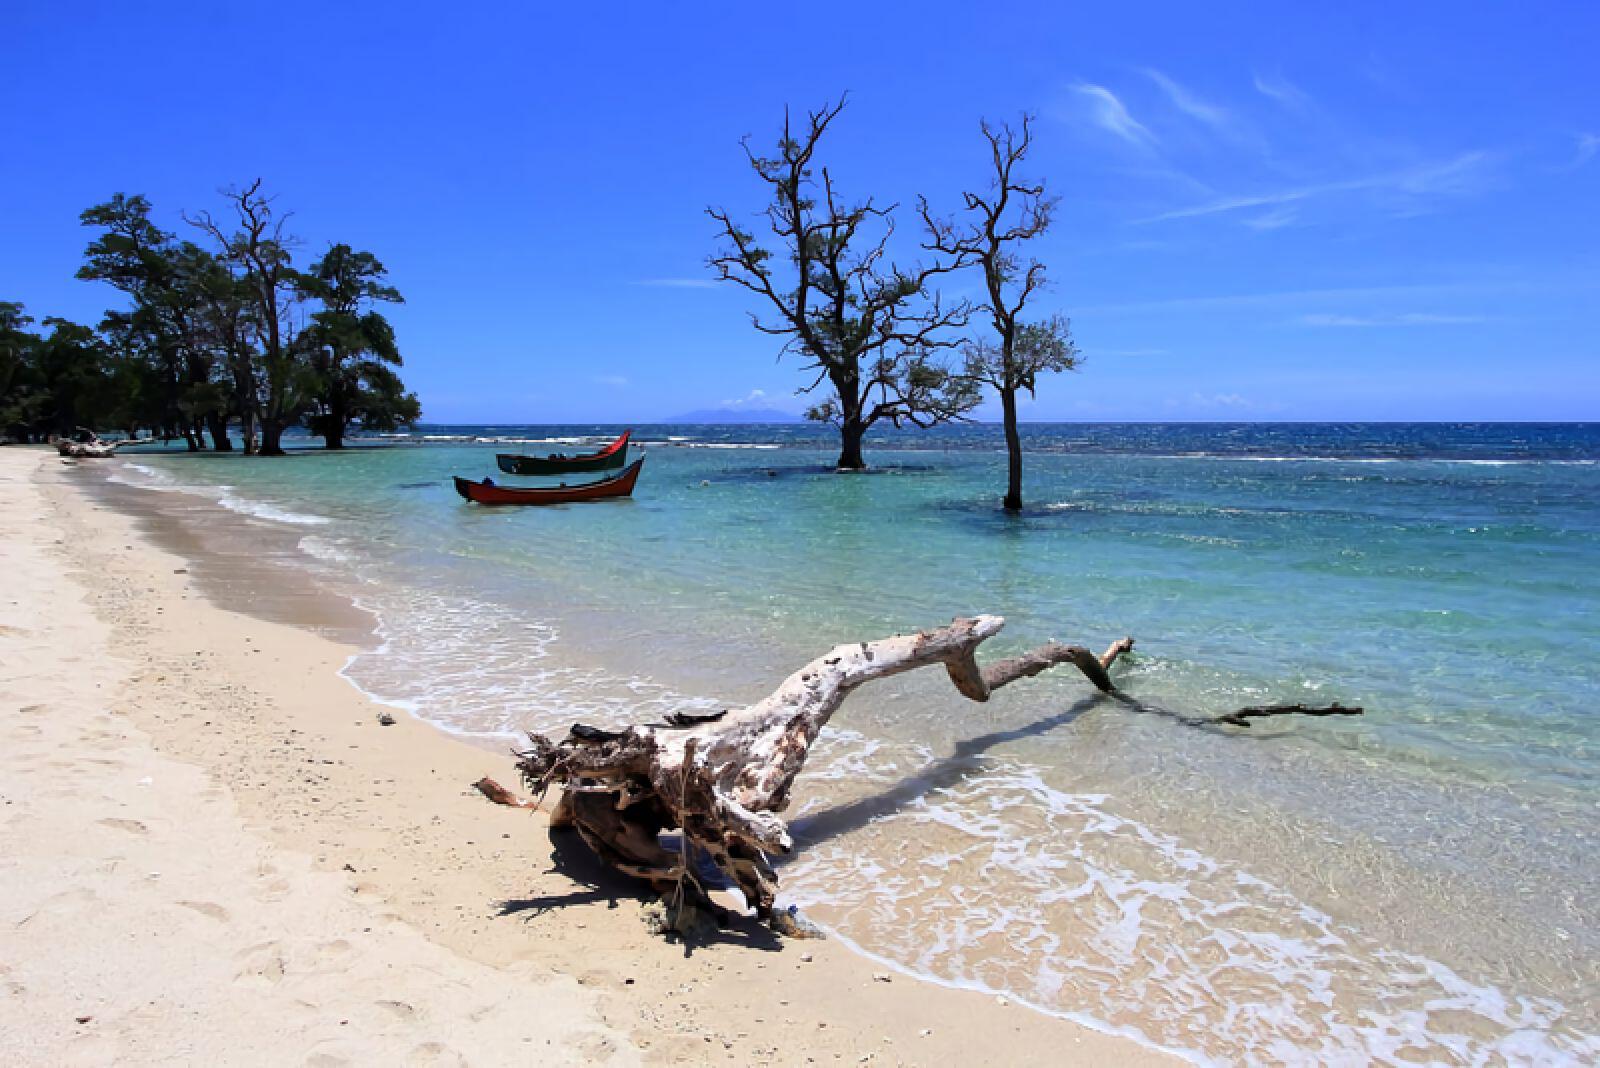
x=735 y=415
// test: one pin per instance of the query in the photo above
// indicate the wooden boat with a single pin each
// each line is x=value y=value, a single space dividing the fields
x=487 y=492
x=613 y=455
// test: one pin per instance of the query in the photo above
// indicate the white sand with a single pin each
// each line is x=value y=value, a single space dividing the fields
x=143 y=922
x=211 y=851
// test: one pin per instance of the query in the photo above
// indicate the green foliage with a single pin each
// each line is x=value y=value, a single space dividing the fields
x=51 y=383
x=208 y=337
x=1043 y=347
x=352 y=348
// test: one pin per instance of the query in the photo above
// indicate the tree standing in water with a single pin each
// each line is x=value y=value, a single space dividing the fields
x=352 y=347
x=258 y=253
x=160 y=274
x=868 y=328
x=1012 y=212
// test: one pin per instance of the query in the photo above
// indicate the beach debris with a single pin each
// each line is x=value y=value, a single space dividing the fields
x=790 y=923
x=500 y=795
x=882 y=977
x=721 y=784
x=665 y=917
x=386 y=718
x=1243 y=717
x=92 y=447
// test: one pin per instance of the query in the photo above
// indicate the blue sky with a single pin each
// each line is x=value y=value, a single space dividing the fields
x=1268 y=211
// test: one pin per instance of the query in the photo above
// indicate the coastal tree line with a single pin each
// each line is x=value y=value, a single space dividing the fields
x=881 y=342
x=224 y=331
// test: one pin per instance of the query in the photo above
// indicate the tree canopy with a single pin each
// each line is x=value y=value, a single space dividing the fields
x=209 y=338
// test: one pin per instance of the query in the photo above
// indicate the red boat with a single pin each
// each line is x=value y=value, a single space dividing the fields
x=487 y=492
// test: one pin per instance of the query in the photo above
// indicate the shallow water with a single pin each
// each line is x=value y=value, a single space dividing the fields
x=1414 y=883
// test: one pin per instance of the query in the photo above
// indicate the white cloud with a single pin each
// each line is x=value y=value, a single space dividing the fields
x=678 y=283
x=1110 y=114
x=1280 y=90
x=1449 y=177
x=1191 y=105
x=756 y=397
x=1405 y=319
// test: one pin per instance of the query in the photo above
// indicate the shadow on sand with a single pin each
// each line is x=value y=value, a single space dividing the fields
x=595 y=882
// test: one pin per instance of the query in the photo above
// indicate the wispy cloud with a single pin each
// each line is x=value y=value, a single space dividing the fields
x=1191 y=105
x=1280 y=90
x=678 y=283
x=1588 y=146
x=1449 y=177
x=1276 y=219
x=614 y=381
x=1345 y=295
x=1108 y=112
x=1212 y=402
x=1404 y=319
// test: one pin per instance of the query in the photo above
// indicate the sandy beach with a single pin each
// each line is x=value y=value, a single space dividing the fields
x=211 y=852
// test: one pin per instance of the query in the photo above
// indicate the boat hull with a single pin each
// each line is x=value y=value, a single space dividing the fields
x=608 y=458
x=606 y=488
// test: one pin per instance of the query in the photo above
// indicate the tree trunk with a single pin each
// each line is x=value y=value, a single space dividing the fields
x=852 y=427
x=1008 y=405
x=271 y=438
x=721 y=779
x=851 y=431
x=338 y=415
x=218 y=425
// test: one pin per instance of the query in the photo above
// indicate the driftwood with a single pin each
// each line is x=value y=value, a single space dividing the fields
x=500 y=795
x=93 y=449
x=1243 y=717
x=722 y=780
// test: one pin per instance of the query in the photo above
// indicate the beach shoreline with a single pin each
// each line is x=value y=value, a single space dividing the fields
x=388 y=815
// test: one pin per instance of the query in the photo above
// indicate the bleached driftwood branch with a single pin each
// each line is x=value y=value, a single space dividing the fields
x=723 y=779
x=94 y=449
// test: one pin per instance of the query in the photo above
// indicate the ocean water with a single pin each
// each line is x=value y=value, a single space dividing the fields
x=1415 y=884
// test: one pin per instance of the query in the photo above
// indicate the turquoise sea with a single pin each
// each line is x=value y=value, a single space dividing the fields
x=1416 y=884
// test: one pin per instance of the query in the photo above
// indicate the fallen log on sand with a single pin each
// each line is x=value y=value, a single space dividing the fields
x=721 y=780
x=94 y=449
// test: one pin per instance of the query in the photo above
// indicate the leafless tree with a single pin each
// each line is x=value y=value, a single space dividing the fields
x=259 y=252
x=997 y=222
x=871 y=330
